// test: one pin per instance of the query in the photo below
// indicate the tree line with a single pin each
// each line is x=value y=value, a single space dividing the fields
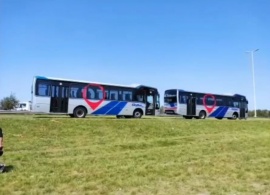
x=260 y=113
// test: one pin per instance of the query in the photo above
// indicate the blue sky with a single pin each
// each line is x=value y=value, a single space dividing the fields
x=193 y=45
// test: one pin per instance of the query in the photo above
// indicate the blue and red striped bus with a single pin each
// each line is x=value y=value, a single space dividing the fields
x=199 y=105
x=79 y=98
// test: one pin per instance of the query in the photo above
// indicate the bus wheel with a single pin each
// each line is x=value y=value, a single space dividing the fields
x=79 y=112
x=202 y=114
x=137 y=113
x=234 y=116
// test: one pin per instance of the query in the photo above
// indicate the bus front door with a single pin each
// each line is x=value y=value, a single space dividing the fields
x=59 y=98
x=150 y=105
x=243 y=111
x=191 y=106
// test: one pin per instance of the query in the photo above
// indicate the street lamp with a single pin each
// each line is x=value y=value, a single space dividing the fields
x=253 y=75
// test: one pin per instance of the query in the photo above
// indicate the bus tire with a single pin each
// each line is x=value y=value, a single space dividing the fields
x=202 y=114
x=80 y=112
x=137 y=113
x=234 y=116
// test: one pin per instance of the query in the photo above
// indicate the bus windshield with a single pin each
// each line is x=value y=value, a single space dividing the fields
x=170 y=96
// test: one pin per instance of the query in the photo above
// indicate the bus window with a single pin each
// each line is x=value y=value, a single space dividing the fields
x=139 y=98
x=90 y=93
x=157 y=102
x=79 y=93
x=200 y=99
x=72 y=93
x=99 y=94
x=170 y=96
x=150 y=101
x=183 y=99
x=210 y=101
x=113 y=95
x=127 y=95
x=43 y=89
x=236 y=104
x=94 y=92
x=106 y=95
x=76 y=91
x=55 y=91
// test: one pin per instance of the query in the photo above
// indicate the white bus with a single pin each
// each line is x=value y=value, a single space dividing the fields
x=201 y=105
x=79 y=98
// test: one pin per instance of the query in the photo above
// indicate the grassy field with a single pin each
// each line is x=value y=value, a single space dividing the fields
x=98 y=155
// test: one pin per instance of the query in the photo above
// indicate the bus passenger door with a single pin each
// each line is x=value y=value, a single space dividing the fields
x=59 y=98
x=191 y=106
x=150 y=105
x=243 y=110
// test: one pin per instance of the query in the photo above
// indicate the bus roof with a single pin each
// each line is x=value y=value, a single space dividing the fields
x=232 y=95
x=94 y=82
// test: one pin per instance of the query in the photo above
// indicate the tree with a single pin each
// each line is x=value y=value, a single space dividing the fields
x=8 y=103
x=260 y=113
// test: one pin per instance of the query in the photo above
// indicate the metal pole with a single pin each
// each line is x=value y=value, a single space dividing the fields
x=253 y=78
x=254 y=88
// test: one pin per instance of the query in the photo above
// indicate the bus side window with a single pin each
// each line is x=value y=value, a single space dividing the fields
x=183 y=99
x=112 y=96
x=236 y=104
x=127 y=97
x=139 y=98
x=200 y=99
x=79 y=92
x=120 y=96
x=76 y=91
x=43 y=89
x=91 y=93
x=99 y=94
x=72 y=94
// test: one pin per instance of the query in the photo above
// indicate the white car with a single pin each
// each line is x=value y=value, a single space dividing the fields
x=24 y=106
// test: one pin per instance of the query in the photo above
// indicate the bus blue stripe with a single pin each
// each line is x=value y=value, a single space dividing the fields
x=171 y=104
x=215 y=113
x=117 y=109
x=106 y=108
x=223 y=112
x=220 y=112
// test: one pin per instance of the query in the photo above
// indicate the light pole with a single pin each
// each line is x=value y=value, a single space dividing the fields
x=253 y=76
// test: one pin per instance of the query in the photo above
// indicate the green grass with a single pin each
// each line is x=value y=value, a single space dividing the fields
x=103 y=155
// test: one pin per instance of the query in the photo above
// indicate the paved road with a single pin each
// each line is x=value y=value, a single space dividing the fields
x=14 y=112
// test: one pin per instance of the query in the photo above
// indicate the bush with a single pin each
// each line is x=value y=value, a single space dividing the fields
x=8 y=103
x=260 y=113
